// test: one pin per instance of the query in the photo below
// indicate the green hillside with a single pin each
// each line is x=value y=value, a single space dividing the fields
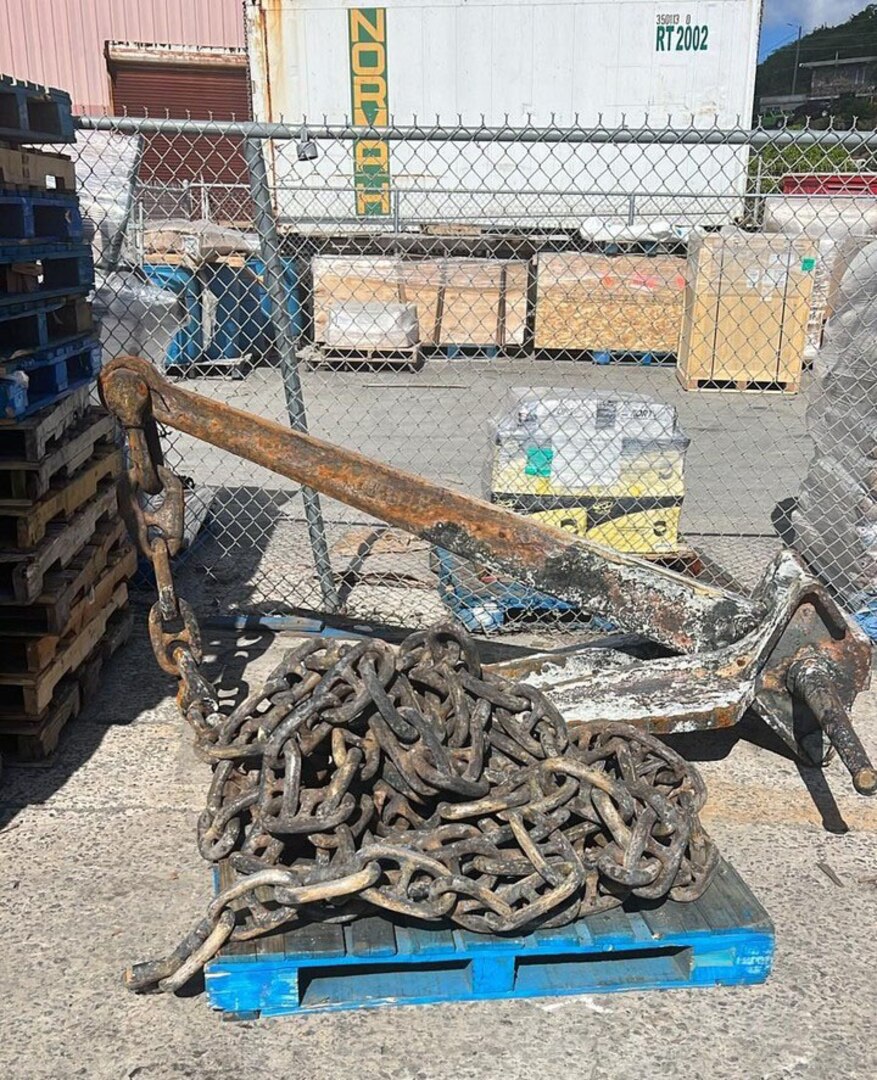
x=856 y=37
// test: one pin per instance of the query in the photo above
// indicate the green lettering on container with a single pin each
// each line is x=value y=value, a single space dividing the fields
x=367 y=40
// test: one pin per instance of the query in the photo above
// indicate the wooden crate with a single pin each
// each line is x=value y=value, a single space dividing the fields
x=747 y=309
x=613 y=303
x=480 y=302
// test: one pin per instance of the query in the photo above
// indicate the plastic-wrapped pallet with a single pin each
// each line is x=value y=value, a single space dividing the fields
x=601 y=464
x=837 y=227
x=196 y=241
x=835 y=521
x=372 y=326
x=106 y=170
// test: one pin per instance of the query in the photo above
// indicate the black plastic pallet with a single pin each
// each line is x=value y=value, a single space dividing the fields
x=38 y=216
x=30 y=113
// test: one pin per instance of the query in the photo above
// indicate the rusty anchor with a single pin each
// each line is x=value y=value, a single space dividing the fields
x=788 y=652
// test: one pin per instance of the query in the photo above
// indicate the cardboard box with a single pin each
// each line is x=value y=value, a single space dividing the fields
x=747 y=306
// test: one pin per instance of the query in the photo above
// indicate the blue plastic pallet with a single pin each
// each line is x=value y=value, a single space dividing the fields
x=34 y=114
x=47 y=322
x=65 y=270
x=645 y=359
x=723 y=939
x=482 y=607
x=31 y=383
x=38 y=216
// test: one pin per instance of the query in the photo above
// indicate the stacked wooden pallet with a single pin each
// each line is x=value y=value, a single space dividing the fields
x=64 y=554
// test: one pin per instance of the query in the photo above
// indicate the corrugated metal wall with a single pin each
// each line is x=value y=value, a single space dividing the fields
x=61 y=42
x=197 y=91
x=181 y=90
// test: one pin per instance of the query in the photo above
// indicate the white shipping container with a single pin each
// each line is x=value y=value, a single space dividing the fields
x=507 y=62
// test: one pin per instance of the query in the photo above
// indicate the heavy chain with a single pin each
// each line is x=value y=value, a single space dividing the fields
x=408 y=780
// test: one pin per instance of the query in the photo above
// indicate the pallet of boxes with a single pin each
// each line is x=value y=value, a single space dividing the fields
x=65 y=558
x=601 y=464
x=389 y=309
x=746 y=313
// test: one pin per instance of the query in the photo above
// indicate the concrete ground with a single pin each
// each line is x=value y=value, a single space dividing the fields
x=100 y=869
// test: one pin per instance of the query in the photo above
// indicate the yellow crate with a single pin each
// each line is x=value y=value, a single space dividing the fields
x=635 y=526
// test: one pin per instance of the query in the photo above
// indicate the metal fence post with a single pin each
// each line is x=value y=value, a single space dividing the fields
x=277 y=291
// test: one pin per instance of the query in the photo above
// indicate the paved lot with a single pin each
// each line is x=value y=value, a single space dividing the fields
x=100 y=868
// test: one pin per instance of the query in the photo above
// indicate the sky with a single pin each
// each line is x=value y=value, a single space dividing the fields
x=775 y=28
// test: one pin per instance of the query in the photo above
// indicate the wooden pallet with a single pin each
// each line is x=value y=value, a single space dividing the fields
x=739 y=385
x=23 y=528
x=724 y=938
x=23 y=482
x=23 y=573
x=52 y=611
x=610 y=357
x=23 y=654
x=36 y=436
x=29 y=694
x=35 y=738
x=36 y=170
x=410 y=359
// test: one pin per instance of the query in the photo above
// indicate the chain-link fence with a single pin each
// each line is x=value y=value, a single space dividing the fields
x=661 y=339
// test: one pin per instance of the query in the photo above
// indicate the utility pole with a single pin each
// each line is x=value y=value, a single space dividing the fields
x=797 y=58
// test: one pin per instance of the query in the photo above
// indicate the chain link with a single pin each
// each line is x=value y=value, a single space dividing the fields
x=173 y=627
x=412 y=781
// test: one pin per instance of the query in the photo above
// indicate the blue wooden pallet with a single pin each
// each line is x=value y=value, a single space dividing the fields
x=723 y=939
x=45 y=322
x=34 y=114
x=38 y=216
x=31 y=383
x=65 y=269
